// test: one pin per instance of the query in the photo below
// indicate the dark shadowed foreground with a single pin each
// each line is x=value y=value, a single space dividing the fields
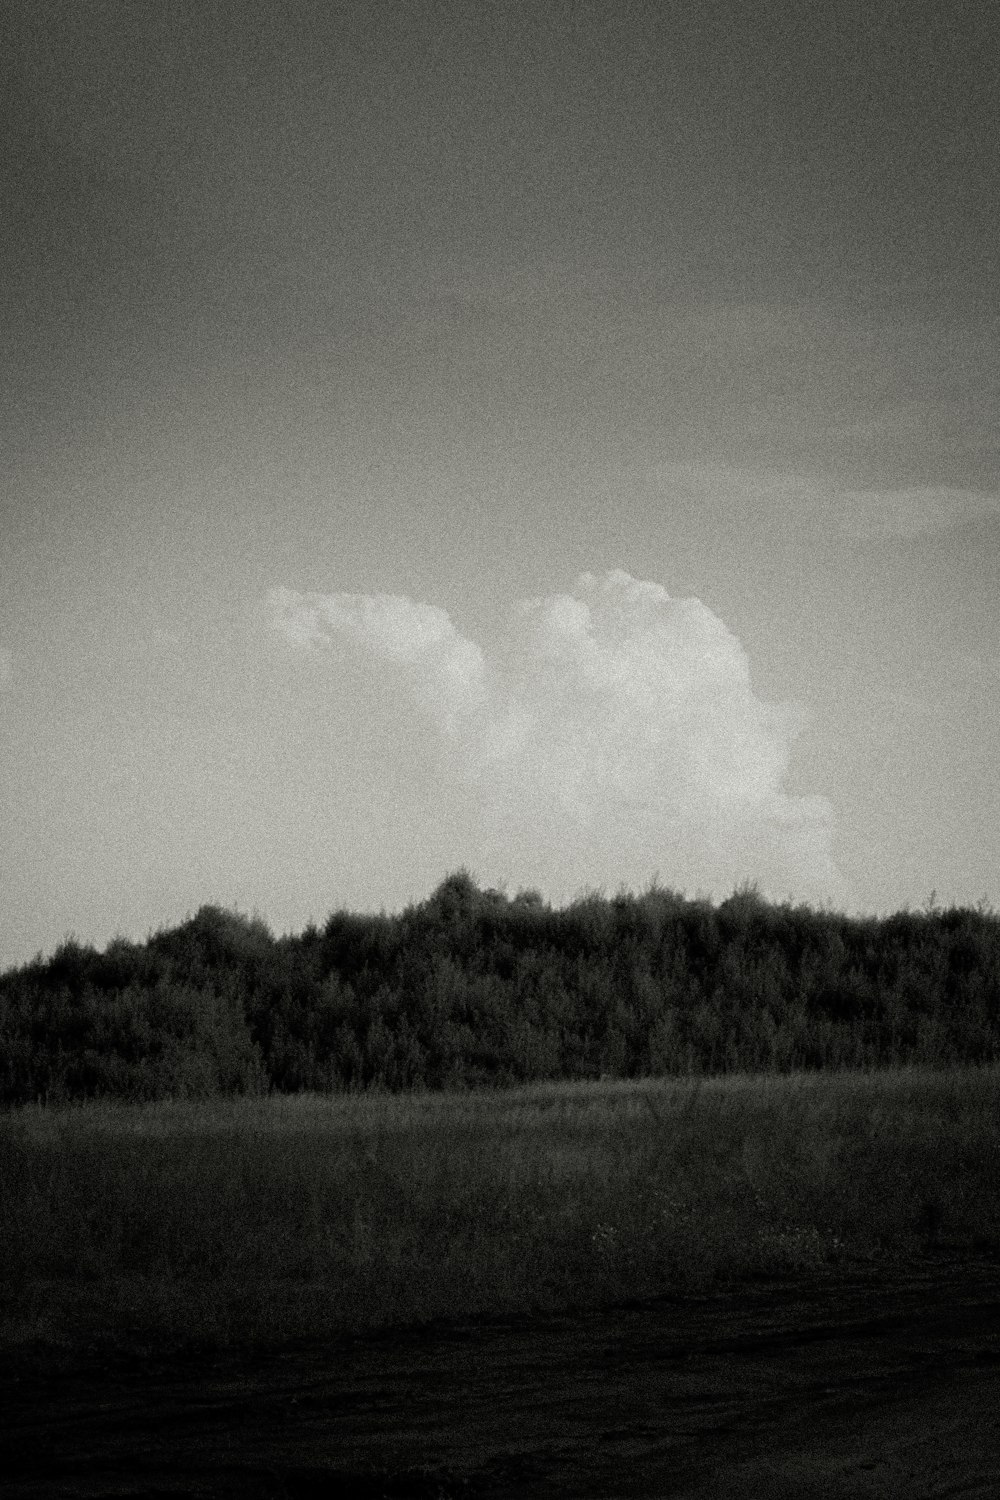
x=834 y=1383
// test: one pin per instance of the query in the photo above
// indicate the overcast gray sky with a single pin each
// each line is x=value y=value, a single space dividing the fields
x=560 y=439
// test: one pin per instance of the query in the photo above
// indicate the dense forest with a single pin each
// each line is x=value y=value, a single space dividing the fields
x=473 y=988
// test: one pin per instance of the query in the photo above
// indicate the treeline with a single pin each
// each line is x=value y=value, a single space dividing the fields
x=471 y=988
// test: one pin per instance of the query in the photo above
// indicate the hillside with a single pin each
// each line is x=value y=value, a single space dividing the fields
x=471 y=988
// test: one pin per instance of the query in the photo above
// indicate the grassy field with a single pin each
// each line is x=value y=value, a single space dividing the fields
x=261 y=1220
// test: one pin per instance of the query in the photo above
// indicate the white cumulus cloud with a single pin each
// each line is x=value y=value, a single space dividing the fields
x=444 y=668
x=613 y=736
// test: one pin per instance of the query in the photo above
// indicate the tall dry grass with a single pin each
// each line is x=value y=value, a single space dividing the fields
x=270 y=1219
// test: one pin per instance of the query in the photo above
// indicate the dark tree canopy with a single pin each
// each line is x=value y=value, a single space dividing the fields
x=470 y=988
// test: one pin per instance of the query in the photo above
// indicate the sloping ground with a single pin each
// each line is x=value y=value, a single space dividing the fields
x=847 y=1384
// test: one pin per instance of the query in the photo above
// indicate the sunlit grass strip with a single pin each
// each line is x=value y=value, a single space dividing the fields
x=266 y=1219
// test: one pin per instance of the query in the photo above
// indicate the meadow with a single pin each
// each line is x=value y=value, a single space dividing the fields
x=263 y=1220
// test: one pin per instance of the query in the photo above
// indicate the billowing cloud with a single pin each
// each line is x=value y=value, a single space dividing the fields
x=444 y=669
x=615 y=735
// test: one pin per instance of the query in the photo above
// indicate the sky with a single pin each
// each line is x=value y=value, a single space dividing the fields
x=557 y=440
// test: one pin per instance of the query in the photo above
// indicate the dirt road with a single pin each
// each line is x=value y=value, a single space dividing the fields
x=846 y=1384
